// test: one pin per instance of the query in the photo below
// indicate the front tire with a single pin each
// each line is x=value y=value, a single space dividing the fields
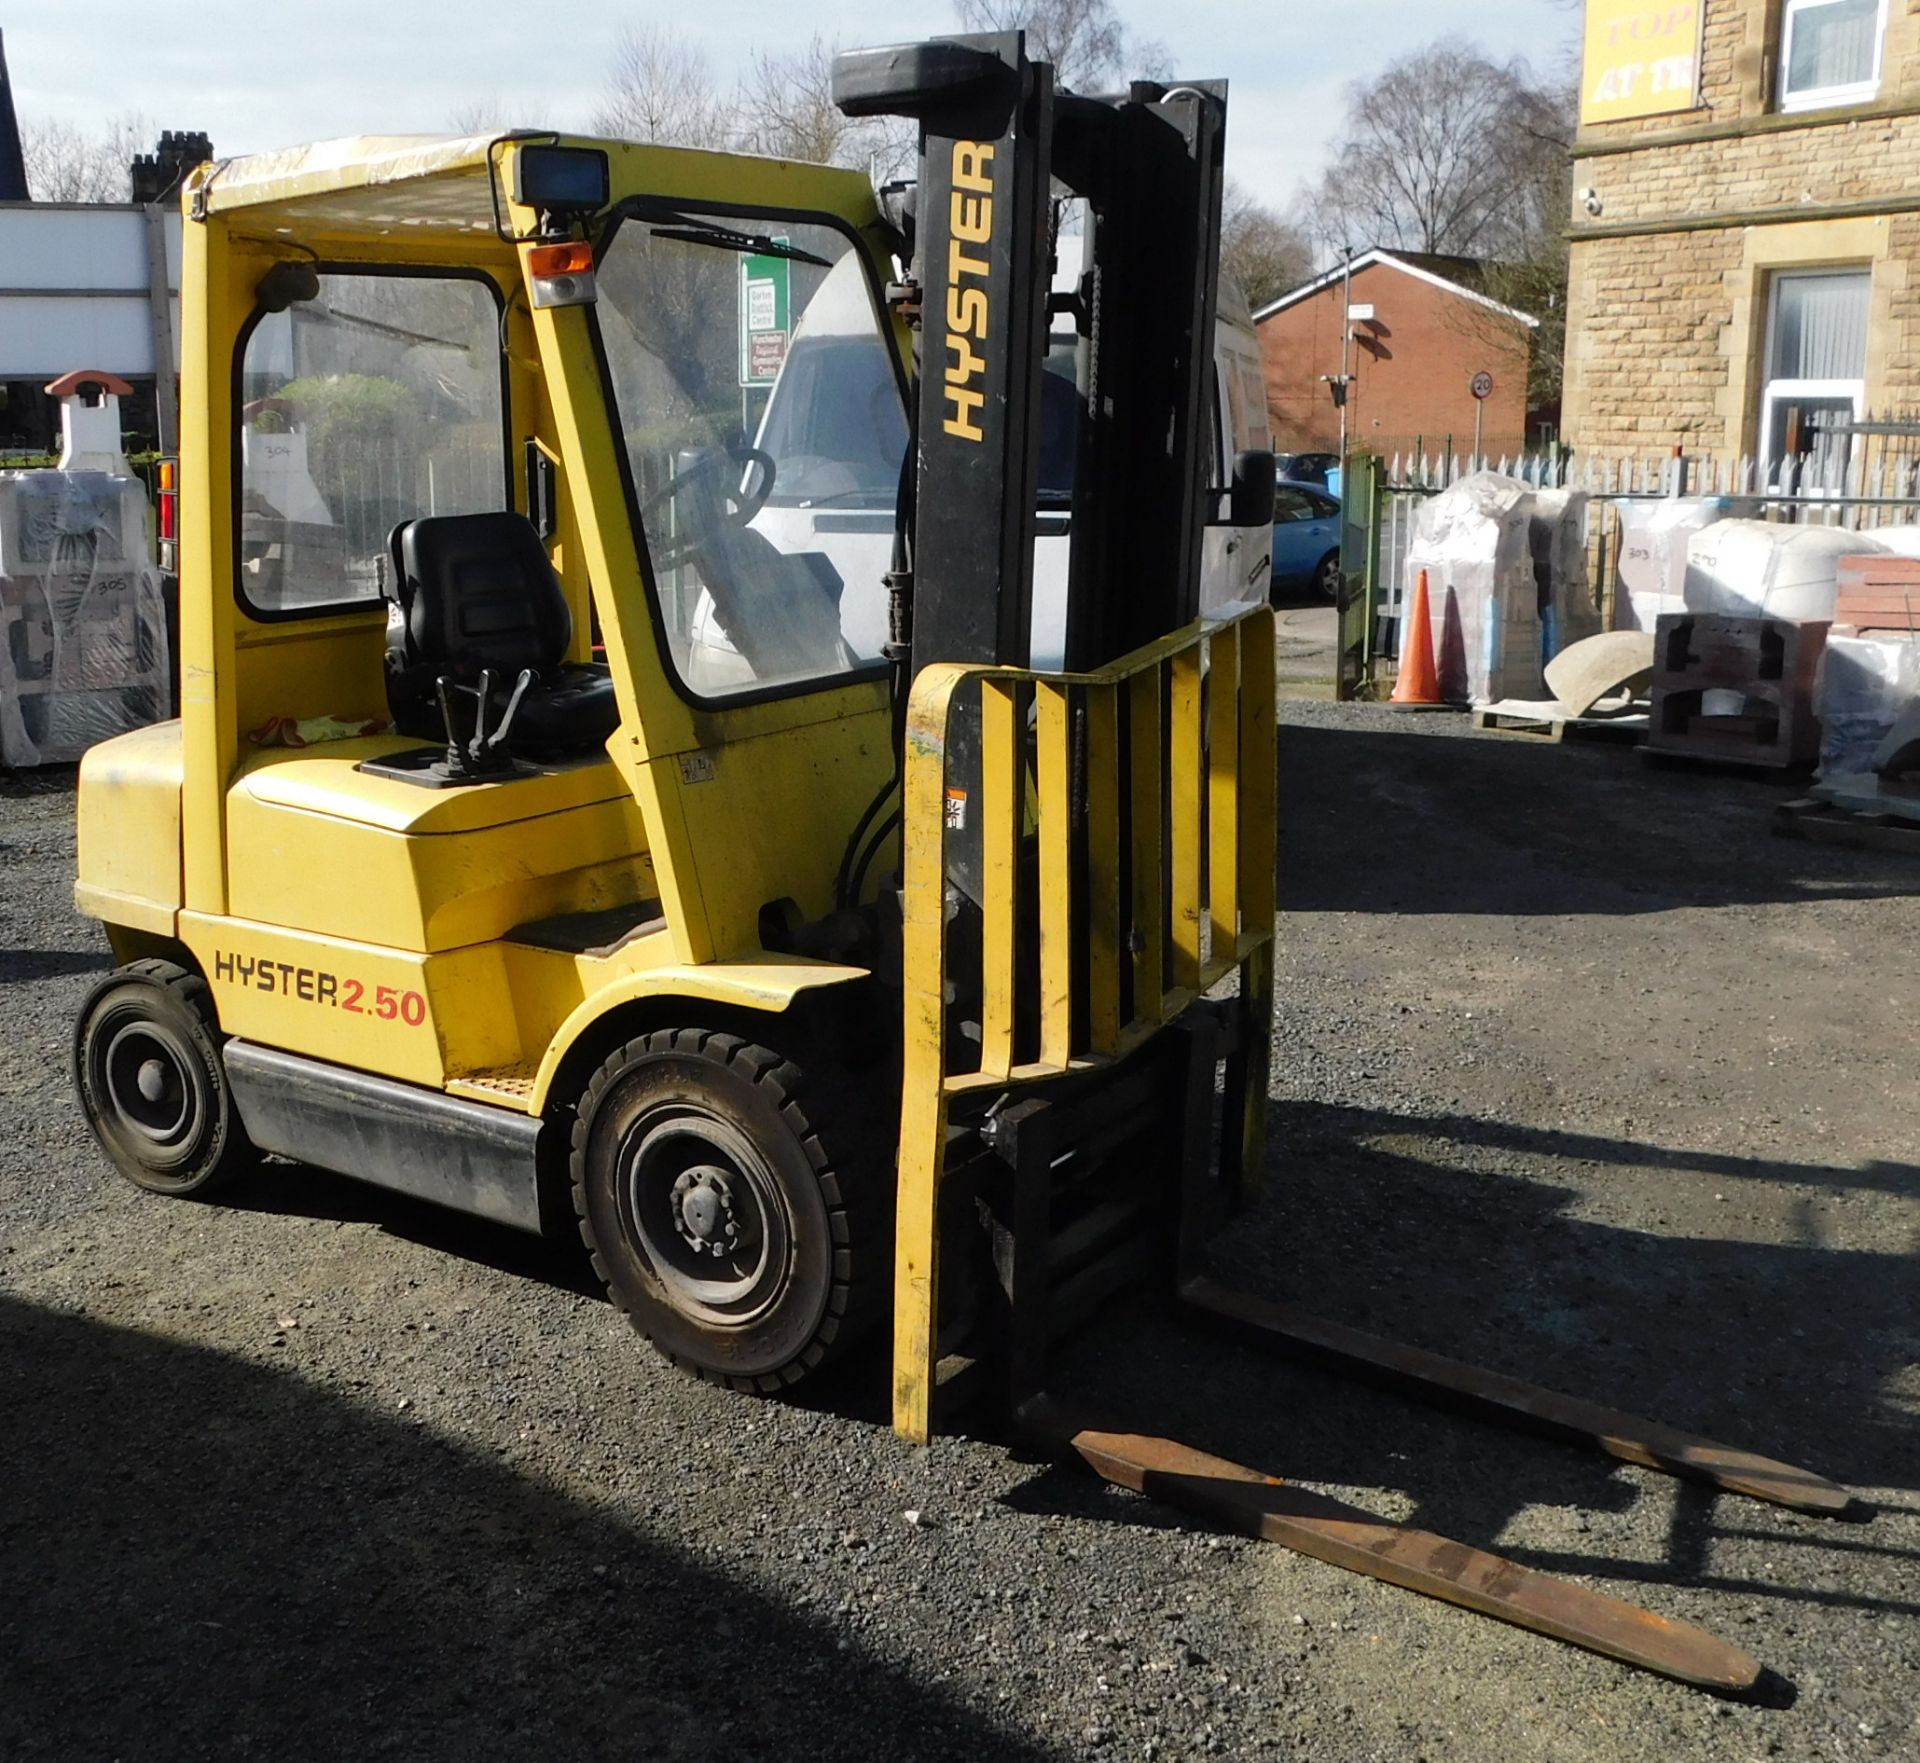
x=1326 y=578
x=728 y=1209
x=147 y=1067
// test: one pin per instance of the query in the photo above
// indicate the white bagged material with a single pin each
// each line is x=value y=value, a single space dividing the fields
x=1650 y=569
x=1762 y=568
x=1902 y=541
x=83 y=635
x=1865 y=684
x=1506 y=584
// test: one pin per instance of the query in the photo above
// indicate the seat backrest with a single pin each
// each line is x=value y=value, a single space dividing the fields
x=476 y=590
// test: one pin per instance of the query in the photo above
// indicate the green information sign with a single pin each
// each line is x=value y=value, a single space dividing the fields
x=766 y=317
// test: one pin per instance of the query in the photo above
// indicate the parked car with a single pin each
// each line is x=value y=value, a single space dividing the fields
x=1306 y=540
x=1306 y=468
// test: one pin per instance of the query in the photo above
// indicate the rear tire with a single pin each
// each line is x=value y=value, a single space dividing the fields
x=729 y=1209
x=1326 y=578
x=147 y=1067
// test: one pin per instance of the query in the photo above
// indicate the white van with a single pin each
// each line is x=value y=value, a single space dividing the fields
x=835 y=427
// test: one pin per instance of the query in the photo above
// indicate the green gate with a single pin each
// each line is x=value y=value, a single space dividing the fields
x=1360 y=487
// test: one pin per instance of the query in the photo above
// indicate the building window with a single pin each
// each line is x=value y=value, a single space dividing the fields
x=1830 y=52
x=1816 y=367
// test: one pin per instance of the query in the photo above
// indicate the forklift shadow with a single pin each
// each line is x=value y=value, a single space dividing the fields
x=297 y=1190
x=207 y=1557
x=853 y=1389
x=1518 y=827
x=1451 y=1232
x=31 y=964
x=1794 y=1350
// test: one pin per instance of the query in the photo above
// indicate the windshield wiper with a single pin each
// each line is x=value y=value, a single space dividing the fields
x=670 y=223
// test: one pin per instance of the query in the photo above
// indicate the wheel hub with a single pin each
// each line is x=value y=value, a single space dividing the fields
x=704 y=1211
x=148 y=1083
x=702 y=1208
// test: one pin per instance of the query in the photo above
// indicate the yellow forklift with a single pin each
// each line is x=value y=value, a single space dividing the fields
x=611 y=789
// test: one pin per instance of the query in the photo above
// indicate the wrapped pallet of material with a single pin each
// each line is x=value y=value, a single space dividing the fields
x=1766 y=569
x=1650 y=564
x=83 y=635
x=1866 y=683
x=1559 y=540
x=1507 y=585
x=1475 y=542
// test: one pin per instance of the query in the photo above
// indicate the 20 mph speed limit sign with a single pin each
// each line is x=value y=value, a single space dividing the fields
x=1481 y=385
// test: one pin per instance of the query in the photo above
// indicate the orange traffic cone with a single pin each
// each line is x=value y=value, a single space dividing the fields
x=1418 y=682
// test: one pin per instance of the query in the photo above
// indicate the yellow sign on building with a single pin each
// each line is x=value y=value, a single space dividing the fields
x=1642 y=59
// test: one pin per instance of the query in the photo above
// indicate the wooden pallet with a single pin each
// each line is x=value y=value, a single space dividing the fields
x=1808 y=818
x=1544 y=724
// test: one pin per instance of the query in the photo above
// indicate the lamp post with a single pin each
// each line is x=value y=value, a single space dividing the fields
x=1346 y=355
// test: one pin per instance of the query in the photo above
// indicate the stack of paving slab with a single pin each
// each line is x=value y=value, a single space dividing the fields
x=1507 y=584
x=83 y=636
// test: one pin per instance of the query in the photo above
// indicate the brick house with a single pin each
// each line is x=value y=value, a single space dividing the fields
x=1746 y=224
x=1422 y=331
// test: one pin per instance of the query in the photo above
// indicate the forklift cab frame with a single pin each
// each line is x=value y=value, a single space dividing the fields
x=416 y=972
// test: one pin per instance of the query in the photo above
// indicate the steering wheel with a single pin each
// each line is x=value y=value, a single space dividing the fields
x=746 y=503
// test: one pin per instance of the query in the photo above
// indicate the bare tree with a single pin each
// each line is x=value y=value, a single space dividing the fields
x=1436 y=151
x=661 y=88
x=784 y=106
x=1261 y=251
x=1452 y=152
x=489 y=113
x=66 y=164
x=1087 y=42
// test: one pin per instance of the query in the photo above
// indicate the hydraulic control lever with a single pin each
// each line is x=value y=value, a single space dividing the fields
x=484 y=753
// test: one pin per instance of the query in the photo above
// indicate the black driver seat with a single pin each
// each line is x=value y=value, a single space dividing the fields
x=476 y=592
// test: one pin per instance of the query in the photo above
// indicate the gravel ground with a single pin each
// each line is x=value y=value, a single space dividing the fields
x=1579 y=1073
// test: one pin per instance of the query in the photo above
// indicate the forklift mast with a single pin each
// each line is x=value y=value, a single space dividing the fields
x=999 y=147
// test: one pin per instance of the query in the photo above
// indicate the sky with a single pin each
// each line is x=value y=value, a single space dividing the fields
x=255 y=74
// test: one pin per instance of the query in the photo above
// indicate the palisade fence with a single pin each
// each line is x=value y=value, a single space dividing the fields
x=1856 y=474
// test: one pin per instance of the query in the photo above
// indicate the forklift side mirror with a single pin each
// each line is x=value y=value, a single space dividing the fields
x=287 y=284
x=1250 y=501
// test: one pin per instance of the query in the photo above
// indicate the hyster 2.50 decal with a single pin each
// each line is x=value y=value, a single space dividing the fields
x=315 y=985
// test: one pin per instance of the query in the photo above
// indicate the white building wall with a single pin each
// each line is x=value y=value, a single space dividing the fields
x=73 y=289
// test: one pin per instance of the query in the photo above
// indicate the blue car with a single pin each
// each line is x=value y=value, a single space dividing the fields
x=1306 y=541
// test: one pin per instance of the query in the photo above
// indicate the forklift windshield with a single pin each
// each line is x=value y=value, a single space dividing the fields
x=755 y=392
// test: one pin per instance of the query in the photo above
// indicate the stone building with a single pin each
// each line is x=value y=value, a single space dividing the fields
x=1423 y=332
x=1745 y=268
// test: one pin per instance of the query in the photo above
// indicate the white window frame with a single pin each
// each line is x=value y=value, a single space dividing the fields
x=1778 y=392
x=1775 y=392
x=1827 y=97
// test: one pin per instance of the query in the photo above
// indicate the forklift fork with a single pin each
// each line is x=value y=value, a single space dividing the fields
x=1055 y=1264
